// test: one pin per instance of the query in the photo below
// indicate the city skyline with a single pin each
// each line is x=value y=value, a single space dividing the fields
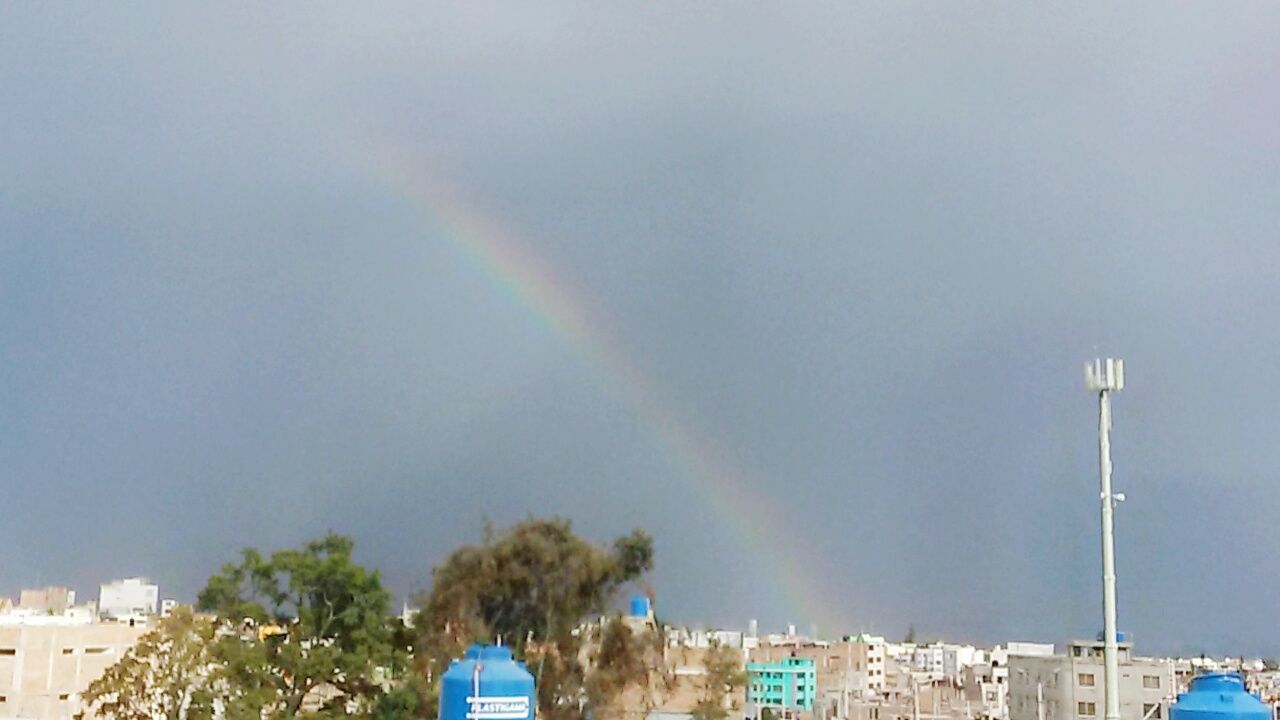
x=803 y=296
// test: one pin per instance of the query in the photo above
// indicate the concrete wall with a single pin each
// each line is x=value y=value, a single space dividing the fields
x=44 y=668
x=52 y=600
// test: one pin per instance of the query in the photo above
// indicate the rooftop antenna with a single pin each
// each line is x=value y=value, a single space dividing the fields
x=1105 y=377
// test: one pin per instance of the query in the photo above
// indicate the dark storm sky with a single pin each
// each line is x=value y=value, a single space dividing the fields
x=867 y=247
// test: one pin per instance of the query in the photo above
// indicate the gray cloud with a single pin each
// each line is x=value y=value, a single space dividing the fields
x=866 y=248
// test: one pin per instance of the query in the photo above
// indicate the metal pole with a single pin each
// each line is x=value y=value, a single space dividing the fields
x=1109 y=649
x=1105 y=377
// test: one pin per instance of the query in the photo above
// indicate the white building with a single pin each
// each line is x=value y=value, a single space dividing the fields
x=928 y=659
x=1028 y=648
x=696 y=638
x=128 y=598
x=943 y=660
x=987 y=694
x=900 y=653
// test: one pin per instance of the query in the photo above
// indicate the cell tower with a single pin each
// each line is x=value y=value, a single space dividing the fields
x=1105 y=377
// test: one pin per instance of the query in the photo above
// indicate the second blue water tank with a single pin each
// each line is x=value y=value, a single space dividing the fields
x=1218 y=696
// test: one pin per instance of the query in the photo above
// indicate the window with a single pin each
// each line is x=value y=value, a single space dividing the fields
x=1085 y=679
x=1151 y=711
x=1151 y=682
x=68 y=651
x=95 y=650
x=8 y=651
x=64 y=696
x=1086 y=709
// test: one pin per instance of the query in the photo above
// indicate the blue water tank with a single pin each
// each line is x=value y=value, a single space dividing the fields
x=487 y=684
x=639 y=606
x=1218 y=696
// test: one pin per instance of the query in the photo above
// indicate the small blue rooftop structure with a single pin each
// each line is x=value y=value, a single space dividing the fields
x=1218 y=696
x=639 y=606
x=487 y=684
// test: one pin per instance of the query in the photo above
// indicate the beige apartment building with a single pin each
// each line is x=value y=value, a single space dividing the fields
x=45 y=663
x=1070 y=686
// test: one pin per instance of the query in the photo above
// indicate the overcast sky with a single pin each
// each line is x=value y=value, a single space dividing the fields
x=868 y=249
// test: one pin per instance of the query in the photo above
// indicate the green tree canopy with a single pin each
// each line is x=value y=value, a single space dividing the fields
x=308 y=622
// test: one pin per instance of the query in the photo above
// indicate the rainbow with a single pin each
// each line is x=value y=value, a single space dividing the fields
x=532 y=283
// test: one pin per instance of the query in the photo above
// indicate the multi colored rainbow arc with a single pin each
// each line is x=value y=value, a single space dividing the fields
x=531 y=281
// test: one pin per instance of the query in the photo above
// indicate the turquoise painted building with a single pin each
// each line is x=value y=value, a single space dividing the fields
x=791 y=684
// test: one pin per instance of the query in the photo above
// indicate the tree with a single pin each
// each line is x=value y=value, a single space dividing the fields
x=911 y=634
x=171 y=674
x=535 y=582
x=307 y=623
x=627 y=667
x=531 y=587
x=617 y=662
x=724 y=678
x=403 y=702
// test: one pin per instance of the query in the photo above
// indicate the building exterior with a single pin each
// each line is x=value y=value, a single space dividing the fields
x=1027 y=648
x=49 y=600
x=929 y=659
x=1070 y=686
x=986 y=682
x=52 y=649
x=848 y=672
x=859 y=660
x=985 y=692
x=128 y=598
x=46 y=662
x=910 y=695
x=790 y=684
x=944 y=659
x=868 y=655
